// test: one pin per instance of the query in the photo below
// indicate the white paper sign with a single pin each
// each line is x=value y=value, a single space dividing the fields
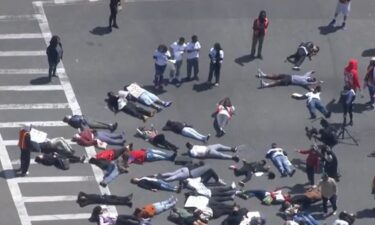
x=37 y=135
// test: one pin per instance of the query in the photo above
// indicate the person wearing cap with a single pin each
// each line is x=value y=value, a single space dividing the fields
x=369 y=82
x=119 y=102
x=328 y=189
x=260 y=27
x=82 y=122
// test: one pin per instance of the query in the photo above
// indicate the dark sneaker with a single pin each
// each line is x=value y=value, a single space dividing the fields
x=328 y=115
x=113 y=127
x=82 y=158
x=116 y=26
x=236 y=158
x=332 y=23
x=243 y=195
x=103 y=184
x=167 y=104
x=292 y=173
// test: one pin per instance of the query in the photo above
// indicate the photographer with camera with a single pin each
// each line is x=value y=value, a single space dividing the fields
x=347 y=98
x=327 y=135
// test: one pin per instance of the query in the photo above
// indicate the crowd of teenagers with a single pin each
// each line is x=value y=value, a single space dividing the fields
x=207 y=195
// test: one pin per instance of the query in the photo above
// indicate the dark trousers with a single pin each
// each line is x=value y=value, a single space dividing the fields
x=244 y=170
x=220 y=209
x=178 y=67
x=206 y=176
x=136 y=111
x=257 y=40
x=160 y=140
x=159 y=74
x=214 y=70
x=190 y=65
x=52 y=69
x=348 y=108
x=25 y=160
x=298 y=57
x=88 y=199
x=112 y=17
x=310 y=171
x=332 y=200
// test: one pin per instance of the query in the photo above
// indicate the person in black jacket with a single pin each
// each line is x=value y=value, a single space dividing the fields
x=154 y=184
x=249 y=168
x=54 y=54
x=304 y=49
x=185 y=130
x=113 y=6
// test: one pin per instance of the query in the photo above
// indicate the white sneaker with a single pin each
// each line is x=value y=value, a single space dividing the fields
x=296 y=68
x=233 y=185
x=220 y=181
x=260 y=73
x=263 y=84
x=334 y=212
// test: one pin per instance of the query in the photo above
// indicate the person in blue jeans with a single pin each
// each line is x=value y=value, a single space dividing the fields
x=110 y=138
x=306 y=218
x=111 y=169
x=155 y=184
x=279 y=158
x=157 y=155
x=314 y=103
x=185 y=130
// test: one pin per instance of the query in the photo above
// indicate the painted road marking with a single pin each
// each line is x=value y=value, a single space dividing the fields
x=13 y=185
x=33 y=123
x=54 y=179
x=21 y=36
x=7 y=18
x=75 y=216
x=34 y=106
x=32 y=88
x=22 y=53
x=29 y=71
x=50 y=198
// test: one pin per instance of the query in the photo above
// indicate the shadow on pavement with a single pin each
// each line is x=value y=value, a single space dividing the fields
x=244 y=59
x=325 y=30
x=101 y=31
x=40 y=80
x=336 y=107
x=369 y=52
x=202 y=87
x=299 y=164
x=366 y=213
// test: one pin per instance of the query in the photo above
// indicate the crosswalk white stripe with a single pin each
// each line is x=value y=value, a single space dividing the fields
x=25 y=17
x=18 y=162
x=34 y=123
x=50 y=198
x=15 y=142
x=21 y=36
x=34 y=106
x=22 y=53
x=53 y=179
x=30 y=71
x=32 y=88
x=13 y=185
x=75 y=216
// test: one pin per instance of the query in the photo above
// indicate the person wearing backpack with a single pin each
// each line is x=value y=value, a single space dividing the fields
x=54 y=54
x=23 y=144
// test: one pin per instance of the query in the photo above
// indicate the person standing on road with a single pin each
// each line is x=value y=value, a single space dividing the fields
x=329 y=192
x=177 y=49
x=312 y=162
x=260 y=26
x=192 y=62
x=216 y=56
x=54 y=54
x=370 y=81
x=161 y=57
x=351 y=76
x=113 y=6
x=343 y=6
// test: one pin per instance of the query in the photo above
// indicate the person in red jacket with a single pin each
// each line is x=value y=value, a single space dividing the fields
x=351 y=75
x=260 y=26
x=312 y=162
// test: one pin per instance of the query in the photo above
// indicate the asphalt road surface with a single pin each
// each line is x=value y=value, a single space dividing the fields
x=97 y=61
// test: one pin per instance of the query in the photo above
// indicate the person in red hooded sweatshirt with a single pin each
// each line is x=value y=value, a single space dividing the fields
x=259 y=31
x=351 y=75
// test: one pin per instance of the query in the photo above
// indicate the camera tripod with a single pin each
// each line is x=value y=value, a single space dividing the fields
x=343 y=130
